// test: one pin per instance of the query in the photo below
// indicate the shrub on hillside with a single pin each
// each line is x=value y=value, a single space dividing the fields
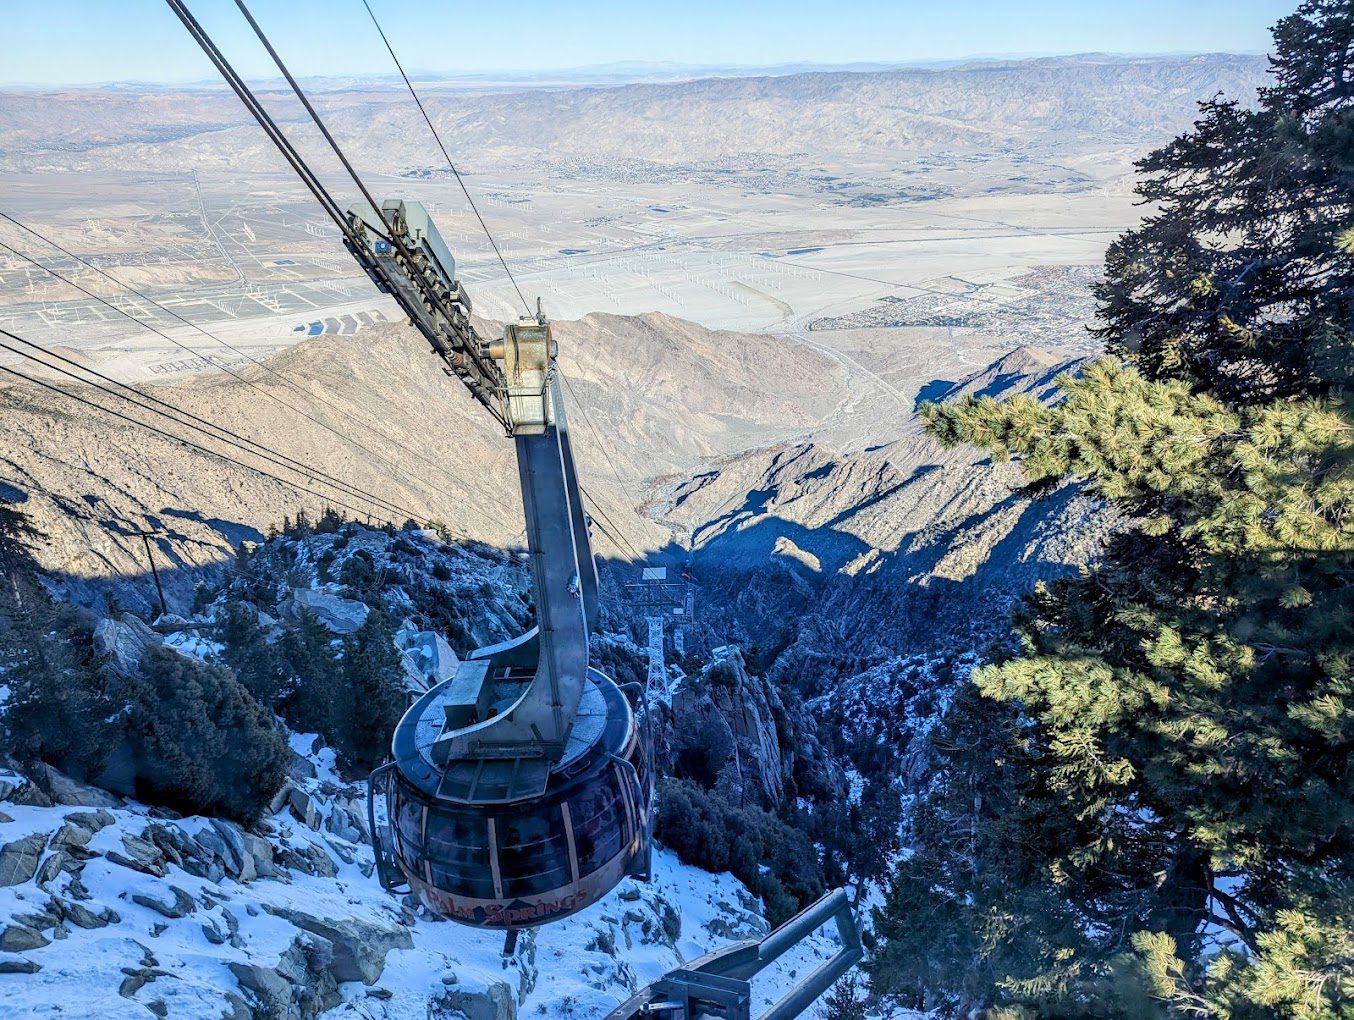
x=201 y=743
x=771 y=857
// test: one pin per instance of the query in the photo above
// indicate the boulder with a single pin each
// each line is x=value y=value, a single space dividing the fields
x=301 y=767
x=260 y=852
x=236 y=855
x=18 y=965
x=183 y=904
x=71 y=834
x=300 y=987
x=338 y=615
x=94 y=821
x=142 y=855
x=82 y=917
x=360 y=945
x=17 y=938
x=304 y=808
x=496 y=1002
x=19 y=859
x=62 y=789
x=341 y=823
x=120 y=643
x=270 y=992
x=42 y=918
x=10 y=784
x=280 y=798
x=310 y=859
x=55 y=864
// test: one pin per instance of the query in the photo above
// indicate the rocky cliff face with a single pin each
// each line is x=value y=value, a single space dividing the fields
x=733 y=729
x=828 y=563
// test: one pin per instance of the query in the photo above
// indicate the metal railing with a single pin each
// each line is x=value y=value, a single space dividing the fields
x=719 y=984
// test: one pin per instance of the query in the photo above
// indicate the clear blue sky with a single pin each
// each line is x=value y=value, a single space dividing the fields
x=72 y=41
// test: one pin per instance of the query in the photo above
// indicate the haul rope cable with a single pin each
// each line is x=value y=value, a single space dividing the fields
x=455 y=173
x=182 y=346
x=227 y=436
x=286 y=380
x=413 y=266
x=177 y=439
x=427 y=283
x=630 y=549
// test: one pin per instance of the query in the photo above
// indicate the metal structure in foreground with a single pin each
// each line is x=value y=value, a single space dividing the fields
x=719 y=984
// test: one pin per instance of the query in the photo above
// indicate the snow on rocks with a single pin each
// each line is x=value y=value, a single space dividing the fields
x=102 y=907
x=338 y=615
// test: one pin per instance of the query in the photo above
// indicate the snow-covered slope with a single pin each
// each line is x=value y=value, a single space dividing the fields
x=108 y=908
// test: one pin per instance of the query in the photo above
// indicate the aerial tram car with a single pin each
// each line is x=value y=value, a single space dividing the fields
x=519 y=790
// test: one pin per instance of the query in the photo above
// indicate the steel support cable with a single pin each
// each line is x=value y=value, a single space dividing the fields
x=628 y=548
x=170 y=411
x=215 y=339
x=261 y=115
x=427 y=284
x=455 y=173
x=178 y=439
x=611 y=463
x=215 y=364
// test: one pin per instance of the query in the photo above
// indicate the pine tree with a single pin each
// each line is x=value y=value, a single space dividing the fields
x=1185 y=792
x=373 y=695
x=844 y=1001
x=316 y=675
x=18 y=568
x=55 y=711
x=245 y=649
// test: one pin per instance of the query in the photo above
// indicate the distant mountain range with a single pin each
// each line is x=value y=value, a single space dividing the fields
x=1087 y=100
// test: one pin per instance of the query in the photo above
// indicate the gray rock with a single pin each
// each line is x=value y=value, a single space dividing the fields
x=235 y=854
x=44 y=917
x=340 y=823
x=17 y=938
x=119 y=644
x=19 y=859
x=338 y=615
x=82 y=917
x=142 y=855
x=71 y=834
x=280 y=799
x=310 y=859
x=10 y=784
x=31 y=795
x=303 y=807
x=182 y=905
x=269 y=990
x=260 y=851
x=137 y=978
x=94 y=821
x=54 y=865
x=62 y=789
x=360 y=946
x=300 y=987
x=496 y=1002
x=18 y=965
x=301 y=768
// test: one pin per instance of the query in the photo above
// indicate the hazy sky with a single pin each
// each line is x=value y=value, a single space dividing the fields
x=69 y=41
